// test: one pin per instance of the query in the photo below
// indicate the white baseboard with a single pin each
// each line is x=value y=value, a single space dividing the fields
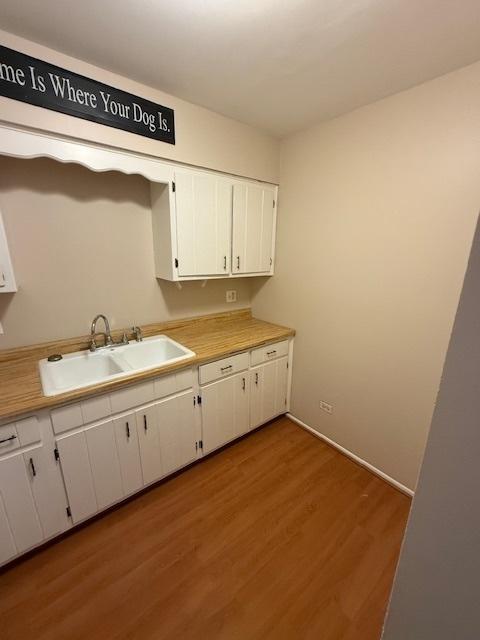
x=398 y=485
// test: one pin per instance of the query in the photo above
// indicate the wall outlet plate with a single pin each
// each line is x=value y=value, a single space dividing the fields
x=231 y=296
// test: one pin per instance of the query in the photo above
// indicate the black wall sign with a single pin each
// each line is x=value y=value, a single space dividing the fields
x=45 y=85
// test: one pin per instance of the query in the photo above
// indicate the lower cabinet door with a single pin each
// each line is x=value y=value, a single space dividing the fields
x=224 y=411
x=241 y=405
x=176 y=425
x=129 y=453
x=268 y=385
x=149 y=444
x=18 y=515
x=102 y=451
x=77 y=476
x=8 y=550
x=48 y=490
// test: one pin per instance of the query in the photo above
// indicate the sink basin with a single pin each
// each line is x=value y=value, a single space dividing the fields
x=84 y=368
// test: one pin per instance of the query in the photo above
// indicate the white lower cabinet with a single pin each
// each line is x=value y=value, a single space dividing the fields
x=8 y=550
x=104 y=463
x=32 y=501
x=47 y=489
x=19 y=522
x=225 y=407
x=77 y=475
x=56 y=464
x=268 y=383
x=128 y=453
x=176 y=428
x=149 y=442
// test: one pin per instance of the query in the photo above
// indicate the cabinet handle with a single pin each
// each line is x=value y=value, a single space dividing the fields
x=243 y=384
x=7 y=439
x=238 y=263
x=256 y=378
x=145 y=426
x=128 y=430
x=271 y=353
x=222 y=369
x=224 y=263
x=32 y=466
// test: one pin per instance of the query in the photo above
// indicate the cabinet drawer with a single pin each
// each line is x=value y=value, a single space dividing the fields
x=132 y=396
x=269 y=352
x=96 y=408
x=173 y=383
x=222 y=368
x=28 y=431
x=8 y=438
x=65 y=418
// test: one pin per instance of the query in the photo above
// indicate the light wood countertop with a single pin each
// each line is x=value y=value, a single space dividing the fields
x=210 y=337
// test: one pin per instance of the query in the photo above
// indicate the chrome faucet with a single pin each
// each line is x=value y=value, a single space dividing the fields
x=107 y=336
x=137 y=332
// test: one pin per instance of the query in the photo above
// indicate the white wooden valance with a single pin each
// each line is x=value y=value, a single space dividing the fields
x=23 y=143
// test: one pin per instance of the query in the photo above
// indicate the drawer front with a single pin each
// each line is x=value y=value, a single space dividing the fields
x=269 y=352
x=96 y=408
x=65 y=418
x=223 y=368
x=173 y=383
x=132 y=396
x=28 y=431
x=8 y=438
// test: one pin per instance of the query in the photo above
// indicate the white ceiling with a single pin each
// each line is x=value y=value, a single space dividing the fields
x=277 y=64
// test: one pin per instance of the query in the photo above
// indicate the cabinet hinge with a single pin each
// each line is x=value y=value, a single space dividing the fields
x=285 y=402
x=196 y=446
x=274 y=204
x=199 y=399
x=173 y=187
x=69 y=512
x=200 y=445
x=56 y=454
x=287 y=365
x=176 y=263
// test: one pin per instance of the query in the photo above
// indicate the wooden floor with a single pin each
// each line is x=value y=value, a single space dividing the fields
x=277 y=537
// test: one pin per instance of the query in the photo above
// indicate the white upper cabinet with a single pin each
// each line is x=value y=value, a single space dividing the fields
x=253 y=229
x=207 y=225
x=7 y=278
x=203 y=212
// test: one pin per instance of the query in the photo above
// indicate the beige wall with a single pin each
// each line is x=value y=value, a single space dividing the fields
x=203 y=138
x=81 y=244
x=435 y=595
x=376 y=214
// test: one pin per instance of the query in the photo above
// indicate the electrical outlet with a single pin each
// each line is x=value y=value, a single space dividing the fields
x=324 y=406
x=231 y=296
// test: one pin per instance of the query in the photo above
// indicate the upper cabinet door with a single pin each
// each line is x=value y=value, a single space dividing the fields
x=203 y=211
x=253 y=228
x=7 y=278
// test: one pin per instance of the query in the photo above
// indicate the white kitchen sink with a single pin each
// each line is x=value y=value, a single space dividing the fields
x=85 y=368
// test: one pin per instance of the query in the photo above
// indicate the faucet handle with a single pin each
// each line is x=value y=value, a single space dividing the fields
x=137 y=333
x=124 y=338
